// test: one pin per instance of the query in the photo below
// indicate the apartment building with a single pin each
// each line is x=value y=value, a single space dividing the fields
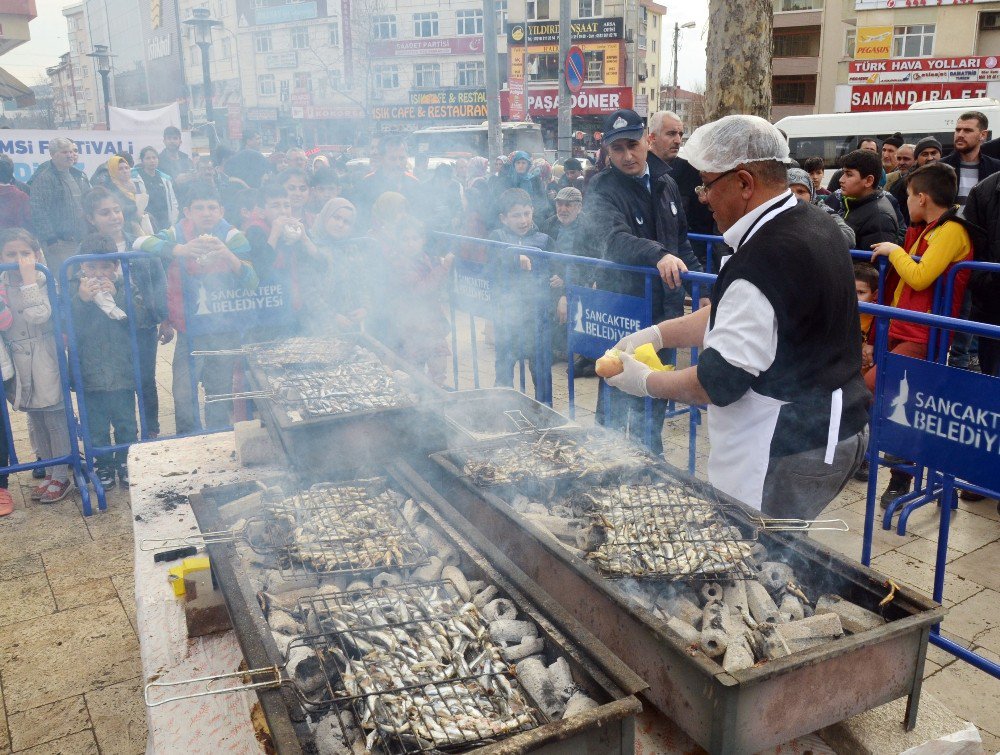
x=868 y=55
x=75 y=82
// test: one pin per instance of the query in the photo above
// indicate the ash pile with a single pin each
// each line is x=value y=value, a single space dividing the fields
x=703 y=573
x=391 y=635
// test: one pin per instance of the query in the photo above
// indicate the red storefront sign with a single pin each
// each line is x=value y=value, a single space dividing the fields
x=895 y=65
x=591 y=100
x=513 y=99
x=398 y=48
x=878 y=97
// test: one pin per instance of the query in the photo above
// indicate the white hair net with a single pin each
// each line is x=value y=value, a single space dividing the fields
x=734 y=140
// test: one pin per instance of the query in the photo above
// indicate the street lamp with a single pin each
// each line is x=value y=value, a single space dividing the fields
x=203 y=23
x=677 y=34
x=102 y=59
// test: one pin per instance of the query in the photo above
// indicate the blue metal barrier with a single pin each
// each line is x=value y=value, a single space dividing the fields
x=941 y=484
x=92 y=450
x=72 y=459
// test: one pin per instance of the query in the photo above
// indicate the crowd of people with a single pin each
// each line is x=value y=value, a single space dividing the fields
x=356 y=252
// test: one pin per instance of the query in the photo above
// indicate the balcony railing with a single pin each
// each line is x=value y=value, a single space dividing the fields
x=783 y=6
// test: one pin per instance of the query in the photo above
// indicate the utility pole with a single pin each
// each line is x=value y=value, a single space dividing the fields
x=494 y=136
x=677 y=34
x=564 y=140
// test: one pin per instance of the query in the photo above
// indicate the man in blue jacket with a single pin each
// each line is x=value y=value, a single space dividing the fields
x=633 y=220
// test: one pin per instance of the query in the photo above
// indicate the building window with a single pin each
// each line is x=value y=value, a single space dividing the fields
x=265 y=85
x=913 y=41
x=796 y=43
x=793 y=90
x=386 y=77
x=302 y=82
x=425 y=24
x=501 y=9
x=427 y=76
x=538 y=10
x=383 y=27
x=595 y=65
x=471 y=74
x=850 y=42
x=469 y=22
x=543 y=67
x=300 y=38
x=590 y=9
x=782 y=6
x=333 y=31
x=262 y=41
x=989 y=21
x=227 y=49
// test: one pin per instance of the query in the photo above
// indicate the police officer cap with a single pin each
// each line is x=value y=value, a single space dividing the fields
x=623 y=124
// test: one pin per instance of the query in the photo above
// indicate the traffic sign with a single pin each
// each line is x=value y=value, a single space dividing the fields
x=575 y=69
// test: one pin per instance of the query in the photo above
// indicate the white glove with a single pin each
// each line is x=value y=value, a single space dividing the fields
x=633 y=341
x=105 y=301
x=632 y=379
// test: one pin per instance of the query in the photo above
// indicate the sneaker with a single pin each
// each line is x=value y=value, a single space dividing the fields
x=862 y=474
x=898 y=485
x=56 y=491
x=123 y=475
x=39 y=490
x=39 y=473
x=6 y=502
x=106 y=476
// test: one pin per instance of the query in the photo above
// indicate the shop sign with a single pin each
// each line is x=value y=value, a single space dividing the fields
x=262 y=113
x=544 y=103
x=287 y=59
x=583 y=30
x=321 y=113
x=895 y=4
x=280 y=14
x=612 y=52
x=942 y=417
x=399 y=48
x=448 y=96
x=600 y=319
x=878 y=97
x=873 y=42
x=516 y=106
x=474 y=110
x=924 y=70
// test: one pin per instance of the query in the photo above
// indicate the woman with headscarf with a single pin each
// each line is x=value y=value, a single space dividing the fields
x=478 y=167
x=130 y=193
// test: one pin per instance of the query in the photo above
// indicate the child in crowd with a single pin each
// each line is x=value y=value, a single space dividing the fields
x=104 y=216
x=941 y=239
x=341 y=292
x=814 y=166
x=514 y=301
x=202 y=253
x=416 y=284
x=281 y=252
x=102 y=329
x=866 y=286
x=32 y=346
x=323 y=186
x=296 y=185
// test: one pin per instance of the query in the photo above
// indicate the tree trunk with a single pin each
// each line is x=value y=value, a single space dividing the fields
x=739 y=58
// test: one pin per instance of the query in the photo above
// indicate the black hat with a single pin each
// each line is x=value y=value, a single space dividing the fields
x=572 y=164
x=623 y=124
x=928 y=142
x=896 y=140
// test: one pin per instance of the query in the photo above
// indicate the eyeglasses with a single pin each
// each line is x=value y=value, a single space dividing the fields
x=702 y=191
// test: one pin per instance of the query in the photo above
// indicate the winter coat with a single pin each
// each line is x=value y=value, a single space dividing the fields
x=873 y=220
x=515 y=292
x=175 y=167
x=149 y=289
x=627 y=225
x=982 y=209
x=15 y=207
x=103 y=344
x=172 y=211
x=987 y=165
x=54 y=215
x=32 y=345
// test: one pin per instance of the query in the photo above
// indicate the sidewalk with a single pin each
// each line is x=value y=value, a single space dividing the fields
x=70 y=680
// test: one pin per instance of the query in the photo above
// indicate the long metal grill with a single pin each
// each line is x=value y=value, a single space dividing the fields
x=304 y=350
x=419 y=668
x=658 y=529
x=548 y=455
x=353 y=387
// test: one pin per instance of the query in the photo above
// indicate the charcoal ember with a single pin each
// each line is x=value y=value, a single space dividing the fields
x=282 y=621
x=807 y=633
x=714 y=635
x=454 y=575
x=853 y=617
x=510 y=630
x=738 y=655
x=538 y=683
x=711 y=592
x=735 y=597
x=579 y=703
x=484 y=596
x=774 y=575
x=562 y=678
x=501 y=608
x=387 y=579
x=429 y=572
x=529 y=646
x=687 y=632
x=761 y=606
x=791 y=608
x=684 y=609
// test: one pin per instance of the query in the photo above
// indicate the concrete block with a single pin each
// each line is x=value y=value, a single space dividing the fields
x=738 y=655
x=791 y=607
x=807 y=633
x=253 y=445
x=853 y=617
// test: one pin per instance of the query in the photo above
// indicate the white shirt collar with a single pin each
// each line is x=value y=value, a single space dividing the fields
x=734 y=236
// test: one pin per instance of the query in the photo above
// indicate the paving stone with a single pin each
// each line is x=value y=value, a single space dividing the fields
x=119 y=716
x=974 y=616
x=966 y=533
x=81 y=743
x=25 y=597
x=16 y=568
x=915 y=573
x=990 y=639
x=991 y=741
x=82 y=574
x=67 y=653
x=981 y=566
x=4 y=730
x=42 y=528
x=926 y=550
x=48 y=722
x=125 y=587
x=969 y=692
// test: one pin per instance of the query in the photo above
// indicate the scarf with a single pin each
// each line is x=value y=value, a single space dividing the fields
x=126 y=188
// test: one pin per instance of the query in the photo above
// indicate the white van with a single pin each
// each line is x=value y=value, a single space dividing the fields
x=470 y=140
x=833 y=135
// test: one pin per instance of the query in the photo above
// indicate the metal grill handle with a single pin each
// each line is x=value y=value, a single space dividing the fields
x=804 y=525
x=271 y=678
x=219 y=353
x=520 y=422
x=202 y=539
x=217 y=397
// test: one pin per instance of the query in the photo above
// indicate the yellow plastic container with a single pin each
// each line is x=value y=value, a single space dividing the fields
x=187 y=566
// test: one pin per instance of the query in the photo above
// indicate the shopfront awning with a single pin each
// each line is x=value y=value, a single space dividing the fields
x=11 y=88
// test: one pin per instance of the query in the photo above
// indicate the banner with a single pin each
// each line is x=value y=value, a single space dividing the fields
x=129 y=121
x=213 y=305
x=873 y=42
x=583 y=30
x=946 y=418
x=516 y=106
x=29 y=148
x=471 y=289
x=878 y=97
x=600 y=319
